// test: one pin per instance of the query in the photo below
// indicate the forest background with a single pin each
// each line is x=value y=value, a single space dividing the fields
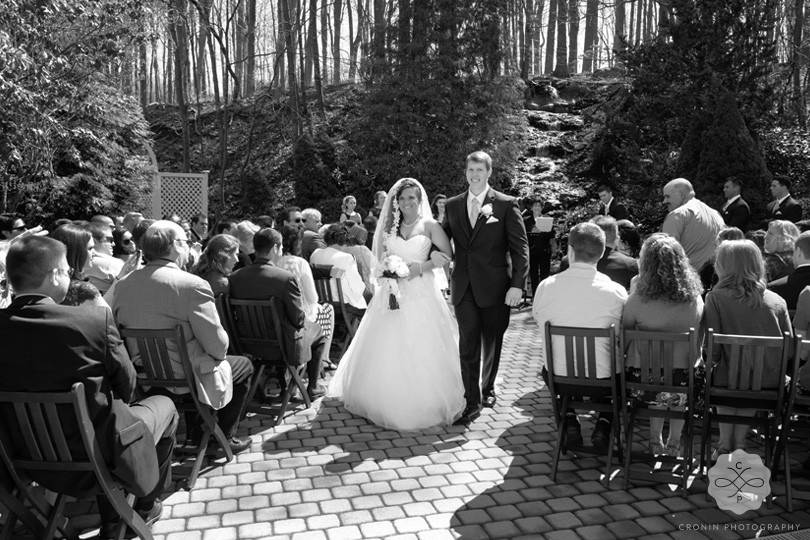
x=308 y=100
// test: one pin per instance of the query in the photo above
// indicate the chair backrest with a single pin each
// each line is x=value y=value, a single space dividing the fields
x=256 y=328
x=801 y=348
x=579 y=353
x=746 y=359
x=656 y=359
x=330 y=290
x=224 y=319
x=155 y=358
x=40 y=418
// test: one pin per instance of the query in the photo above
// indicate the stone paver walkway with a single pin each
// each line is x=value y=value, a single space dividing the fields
x=326 y=474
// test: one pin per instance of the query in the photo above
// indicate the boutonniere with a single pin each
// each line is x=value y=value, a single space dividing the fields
x=486 y=210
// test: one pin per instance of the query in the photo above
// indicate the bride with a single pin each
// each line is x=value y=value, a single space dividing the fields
x=402 y=368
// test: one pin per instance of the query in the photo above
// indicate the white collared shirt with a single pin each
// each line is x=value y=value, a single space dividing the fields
x=580 y=296
x=607 y=206
x=780 y=201
x=481 y=198
x=730 y=201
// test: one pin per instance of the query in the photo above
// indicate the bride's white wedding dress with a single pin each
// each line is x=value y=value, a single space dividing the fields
x=402 y=369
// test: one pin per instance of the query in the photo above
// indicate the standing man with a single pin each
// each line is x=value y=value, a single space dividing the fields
x=199 y=227
x=783 y=205
x=735 y=211
x=608 y=205
x=694 y=224
x=491 y=264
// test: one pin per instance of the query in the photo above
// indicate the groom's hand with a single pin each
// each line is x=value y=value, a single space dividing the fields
x=513 y=296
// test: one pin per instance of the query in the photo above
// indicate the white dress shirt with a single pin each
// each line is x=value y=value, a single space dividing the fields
x=351 y=281
x=580 y=296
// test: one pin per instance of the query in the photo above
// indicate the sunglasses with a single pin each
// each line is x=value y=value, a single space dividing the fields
x=126 y=242
x=299 y=220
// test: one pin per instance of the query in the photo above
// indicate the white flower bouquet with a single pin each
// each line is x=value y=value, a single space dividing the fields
x=391 y=270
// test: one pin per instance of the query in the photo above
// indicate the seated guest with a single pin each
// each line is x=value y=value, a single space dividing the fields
x=757 y=237
x=291 y=217
x=730 y=233
x=740 y=304
x=311 y=239
x=356 y=247
x=48 y=347
x=217 y=262
x=614 y=264
x=560 y=300
x=244 y=233
x=357 y=233
x=323 y=314
x=351 y=281
x=803 y=225
x=778 y=247
x=123 y=245
x=666 y=297
x=79 y=244
x=800 y=277
x=629 y=241
x=305 y=341
x=199 y=227
x=161 y=295
x=266 y=220
x=103 y=268
x=131 y=220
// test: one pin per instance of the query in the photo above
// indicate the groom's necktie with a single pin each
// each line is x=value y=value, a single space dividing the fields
x=475 y=208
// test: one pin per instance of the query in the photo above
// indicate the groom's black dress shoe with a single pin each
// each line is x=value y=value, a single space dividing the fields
x=489 y=401
x=469 y=414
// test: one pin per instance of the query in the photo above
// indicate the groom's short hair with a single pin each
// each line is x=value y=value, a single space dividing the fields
x=480 y=156
x=587 y=240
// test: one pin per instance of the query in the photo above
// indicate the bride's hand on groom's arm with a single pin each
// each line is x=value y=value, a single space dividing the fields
x=439 y=259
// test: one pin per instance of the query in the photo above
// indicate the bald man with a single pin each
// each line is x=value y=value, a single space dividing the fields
x=694 y=224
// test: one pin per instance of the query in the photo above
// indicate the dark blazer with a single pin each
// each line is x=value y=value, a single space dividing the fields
x=737 y=214
x=790 y=209
x=791 y=288
x=616 y=210
x=616 y=265
x=47 y=348
x=483 y=253
x=311 y=241
x=262 y=280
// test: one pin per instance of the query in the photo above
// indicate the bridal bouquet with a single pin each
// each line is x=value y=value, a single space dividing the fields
x=391 y=270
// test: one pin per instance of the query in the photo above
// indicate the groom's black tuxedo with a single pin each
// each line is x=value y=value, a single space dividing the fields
x=490 y=257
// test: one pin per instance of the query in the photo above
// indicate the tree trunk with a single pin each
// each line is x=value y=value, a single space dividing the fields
x=798 y=96
x=526 y=52
x=143 y=74
x=419 y=39
x=550 y=34
x=354 y=41
x=561 y=65
x=639 y=11
x=618 y=32
x=250 y=71
x=573 y=35
x=240 y=31
x=281 y=44
x=404 y=37
x=200 y=79
x=313 y=30
x=324 y=41
x=537 y=35
x=338 y=18
x=286 y=6
x=378 y=62
x=178 y=22
x=591 y=35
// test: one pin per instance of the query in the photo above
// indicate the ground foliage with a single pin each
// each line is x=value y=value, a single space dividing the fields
x=70 y=141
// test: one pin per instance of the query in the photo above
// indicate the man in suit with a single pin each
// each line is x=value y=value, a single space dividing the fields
x=303 y=339
x=199 y=227
x=796 y=281
x=48 y=347
x=489 y=235
x=694 y=224
x=311 y=240
x=609 y=206
x=735 y=211
x=161 y=295
x=783 y=205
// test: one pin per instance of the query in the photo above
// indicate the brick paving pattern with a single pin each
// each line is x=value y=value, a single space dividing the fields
x=326 y=474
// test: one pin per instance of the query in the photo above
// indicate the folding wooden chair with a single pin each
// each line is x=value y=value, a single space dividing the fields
x=580 y=382
x=44 y=447
x=746 y=361
x=797 y=414
x=656 y=352
x=158 y=372
x=330 y=290
x=257 y=330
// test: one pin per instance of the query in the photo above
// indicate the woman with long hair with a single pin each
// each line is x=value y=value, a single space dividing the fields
x=323 y=314
x=438 y=206
x=79 y=244
x=666 y=297
x=217 y=261
x=348 y=210
x=740 y=303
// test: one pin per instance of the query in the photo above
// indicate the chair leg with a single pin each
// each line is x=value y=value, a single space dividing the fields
x=17 y=510
x=56 y=513
x=688 y=452
x=561 y=427
x=628 y=438
x=198 y=459
x=254 y=385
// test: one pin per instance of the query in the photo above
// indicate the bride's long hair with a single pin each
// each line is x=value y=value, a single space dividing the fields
x=391 y=215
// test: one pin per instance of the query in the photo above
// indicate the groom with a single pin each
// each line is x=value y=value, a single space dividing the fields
x=491 y=265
